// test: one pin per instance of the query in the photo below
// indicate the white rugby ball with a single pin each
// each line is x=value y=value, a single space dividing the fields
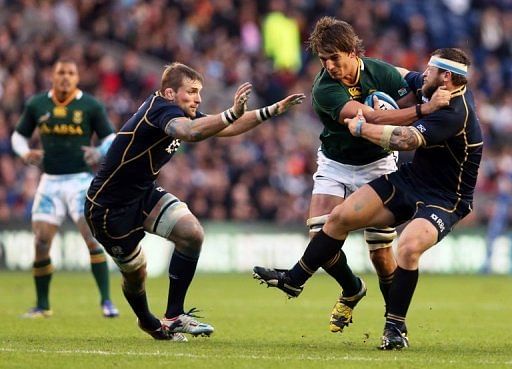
x=386 y=102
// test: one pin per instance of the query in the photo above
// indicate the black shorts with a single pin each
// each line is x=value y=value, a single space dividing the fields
x=120 y=229
x=407 y=201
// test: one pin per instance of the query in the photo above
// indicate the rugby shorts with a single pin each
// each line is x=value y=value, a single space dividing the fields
x=409 y=201
x=60 y=194
x=338 y=179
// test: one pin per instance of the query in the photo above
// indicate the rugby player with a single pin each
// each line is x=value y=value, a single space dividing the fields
x=123 y=201
x=66 y=119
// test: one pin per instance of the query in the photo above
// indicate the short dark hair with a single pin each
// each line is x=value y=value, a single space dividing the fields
x=175 y=73
x=65 y=60
x=333 y=35
x=458 y=56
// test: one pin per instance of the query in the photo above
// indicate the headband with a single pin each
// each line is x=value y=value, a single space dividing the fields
x=452 y=66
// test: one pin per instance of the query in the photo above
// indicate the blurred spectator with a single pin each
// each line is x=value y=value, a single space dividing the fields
x=281 y=37
x=501 y=214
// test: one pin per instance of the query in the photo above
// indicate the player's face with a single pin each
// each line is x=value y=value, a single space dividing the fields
x=432 y=79
x=340 y=65
x=188 y=96
x=65 y=78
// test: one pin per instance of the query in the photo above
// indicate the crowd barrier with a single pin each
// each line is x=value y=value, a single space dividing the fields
x=237 y=248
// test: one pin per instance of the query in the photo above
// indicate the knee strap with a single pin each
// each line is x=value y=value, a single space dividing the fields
x=315 y=224
x=379 y=238
x=132 y=262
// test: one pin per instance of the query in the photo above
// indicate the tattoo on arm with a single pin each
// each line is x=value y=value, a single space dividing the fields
x=196 y=136
x=404 y=139
x=182 y=128
x=170 y=129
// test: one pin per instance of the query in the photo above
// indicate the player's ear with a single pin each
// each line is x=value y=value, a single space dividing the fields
x=169 y=93
x=447 y=76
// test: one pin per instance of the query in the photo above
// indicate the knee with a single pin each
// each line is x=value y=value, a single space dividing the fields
x=91 y=243
x=409 y=253
x=338 y=224
x=192 y=239
x=42 y=244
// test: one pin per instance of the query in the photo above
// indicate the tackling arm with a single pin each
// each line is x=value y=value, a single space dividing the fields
x=400 y=117
x=386 y=136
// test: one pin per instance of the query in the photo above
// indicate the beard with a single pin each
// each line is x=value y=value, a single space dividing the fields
x=428 y=89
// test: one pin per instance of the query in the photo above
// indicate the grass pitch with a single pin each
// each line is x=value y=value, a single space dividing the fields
x=454 y=322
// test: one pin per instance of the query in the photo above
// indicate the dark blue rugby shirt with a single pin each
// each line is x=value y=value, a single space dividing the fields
x=137 y=154
x=448 y=160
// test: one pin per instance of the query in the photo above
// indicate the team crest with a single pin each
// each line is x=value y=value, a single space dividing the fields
x=355 y=92
x=78 y=116
x=60 y=112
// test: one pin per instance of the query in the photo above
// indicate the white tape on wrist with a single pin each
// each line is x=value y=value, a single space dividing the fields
x=228 y=116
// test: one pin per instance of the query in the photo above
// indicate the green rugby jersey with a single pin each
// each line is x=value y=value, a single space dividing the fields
x=329 y=96
x=64 y=128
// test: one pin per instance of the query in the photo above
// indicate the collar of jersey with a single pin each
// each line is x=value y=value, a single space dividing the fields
x=459 y=91
x=77 y=94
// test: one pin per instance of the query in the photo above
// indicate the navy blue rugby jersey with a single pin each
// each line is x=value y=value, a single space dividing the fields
x=137 y=154
x=448 y=160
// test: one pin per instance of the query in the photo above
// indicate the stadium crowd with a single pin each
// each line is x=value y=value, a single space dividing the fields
x=121 y=48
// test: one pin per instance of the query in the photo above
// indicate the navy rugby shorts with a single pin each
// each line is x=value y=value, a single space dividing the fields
x=120 y=229
x=407 y=201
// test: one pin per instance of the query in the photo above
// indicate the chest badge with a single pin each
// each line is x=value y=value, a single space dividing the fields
x=60 y=112
x=78 y=116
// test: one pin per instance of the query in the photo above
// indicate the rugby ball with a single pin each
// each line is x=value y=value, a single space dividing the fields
x=386 y=102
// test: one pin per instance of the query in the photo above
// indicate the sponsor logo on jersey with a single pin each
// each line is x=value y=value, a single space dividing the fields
x=402 y=91
x=61 y=129
x=78 y=116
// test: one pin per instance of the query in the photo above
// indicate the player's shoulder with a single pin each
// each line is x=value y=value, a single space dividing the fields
x=38 y=98
x=379 y=69
x=376 y=64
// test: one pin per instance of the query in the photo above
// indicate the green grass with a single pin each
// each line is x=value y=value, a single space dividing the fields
x=454 y=322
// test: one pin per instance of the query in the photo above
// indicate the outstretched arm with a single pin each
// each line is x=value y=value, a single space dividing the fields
x=253 y=118
x=201 y=128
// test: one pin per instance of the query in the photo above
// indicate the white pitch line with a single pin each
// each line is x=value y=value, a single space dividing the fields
x=384 y=356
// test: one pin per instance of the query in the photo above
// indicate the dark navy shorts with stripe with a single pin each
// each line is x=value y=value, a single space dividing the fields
x=407 y=201
x=120 y=229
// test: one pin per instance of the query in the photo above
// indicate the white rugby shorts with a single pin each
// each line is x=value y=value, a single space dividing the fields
x=337 y=179
x=58 y=195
